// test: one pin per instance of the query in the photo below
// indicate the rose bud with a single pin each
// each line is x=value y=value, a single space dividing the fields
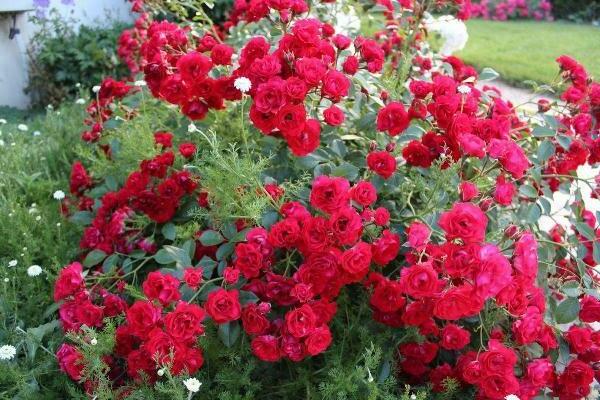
x=486 y=204
x=511 y=231
x=390 y=147
x=543 y=105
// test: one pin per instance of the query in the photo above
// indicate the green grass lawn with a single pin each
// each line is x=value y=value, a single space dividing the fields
x=526 y=50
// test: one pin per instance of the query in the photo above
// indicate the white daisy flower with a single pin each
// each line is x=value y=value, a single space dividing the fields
x=96 y=89
x=38 y=218
x=6 y=280
x=192 y=384
x=191 y=128
x=37 y=133
x=242 y=84
x=13 y=263
x=22 y=127
x=464 y=89
x=160 y=372
x=80 y=101
x=94 y=341
x=34 y=270
x=59 y=195
x=7 y=352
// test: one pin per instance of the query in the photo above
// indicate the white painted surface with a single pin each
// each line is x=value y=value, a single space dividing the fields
x=13 y=53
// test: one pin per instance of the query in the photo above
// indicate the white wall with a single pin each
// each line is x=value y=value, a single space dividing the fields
x=13 y=53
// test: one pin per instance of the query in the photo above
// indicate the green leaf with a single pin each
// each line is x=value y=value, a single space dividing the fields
x=94 y=257
x=545 y=151
x=564 y=141
x=528 y=191
x=229 y=333
x=225 y=250
x=171 y=254
x=567 y=311
x=488 y=74
x=168 y=231
x=109 y=263
x=571 y=289
x=82 y=218
x=211 y=238
x=542 y=131
x=585 y=230
x=247 y=297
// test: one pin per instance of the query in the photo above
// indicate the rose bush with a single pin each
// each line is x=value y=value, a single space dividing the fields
x=303 y=196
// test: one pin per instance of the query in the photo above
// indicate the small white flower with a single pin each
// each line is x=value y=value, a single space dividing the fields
x=7 y=352
x=34 y=270
x=370 y=378
x=13 y=263
x=94 y=341
x=512 y=397
x=140 y=83
x=6 y=280
x=191 y=128
x=22 y=127
x=78 y=85
x=96 y=89
x=58 y=224
x=50 y=107
x=80 y=101
x=2 y=143
x=38 y=218
x=59 y=195
x=192 y=384
x=37 y=133
x=2 y=121
x=464 y=89
x=160 y=372
x=242 y=84
x=413 y=397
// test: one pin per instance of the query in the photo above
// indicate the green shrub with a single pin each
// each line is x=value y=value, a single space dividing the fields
x=62 y=58
x=578 y=10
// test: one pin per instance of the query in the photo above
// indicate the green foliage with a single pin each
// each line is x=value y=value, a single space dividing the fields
x=32 y=167
x=576 y=10
x=61 y=58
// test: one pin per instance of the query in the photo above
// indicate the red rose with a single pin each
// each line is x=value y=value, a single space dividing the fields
x=575 y=381
x=579 y=339
x=454 y=337
x=417 y=154
x=305 y=141
x=386 y=248
x=420 y=280
x=540 y=373
x=329 y=194
x=468 y=191
x=504 y=191
x=311 y=70
x=285 y=233
x=392 y=119
x=221 y=54
x=193 y=67
x=590 y=309
x=70 y=361
x=89 y=314
x=162 y=346
x=350 y=65
x=464 y=221
x=223 y=305
x=185 y=322
x=382 y=163
x=418 y=235
x=79 y=180
x=301 y=321
x=316 y=234
x=187 y=150
x=69 y=281
x=266 y=348
x=335 y=85
x=193 y=277
x=161 y=287
x=270 y=96
x=318 y=341
x=140 y=361
x=456 y=303
x=291 y=119
x=142 y=316
x=249 y=259
x=364 y=193
x=381 y=216
x=346 y=226
x=356 y=260
x=388 y=296
x=254 y=320
x=334 y=116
